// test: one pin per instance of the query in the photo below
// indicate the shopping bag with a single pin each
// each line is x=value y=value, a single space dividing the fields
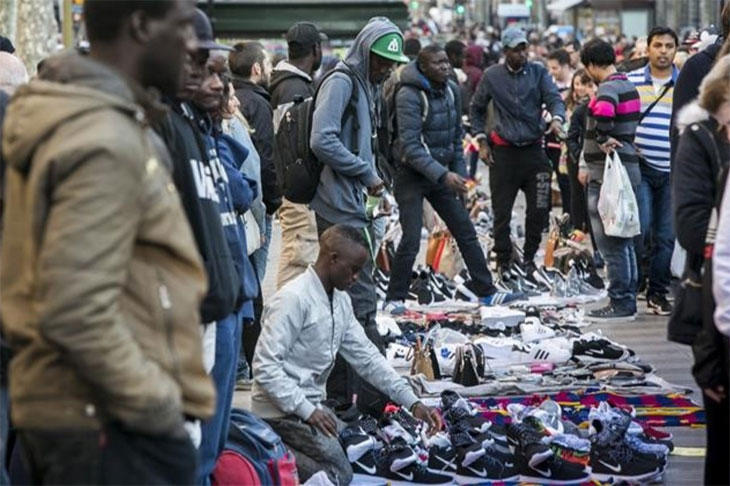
x=435 y=248
x=679 y=257
x=451 y=262
x=617 y=205
x=253 y=232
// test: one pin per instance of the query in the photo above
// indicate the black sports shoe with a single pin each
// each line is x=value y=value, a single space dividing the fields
x=476 y=465
x=528 y=443
x=612 y=458
x=398 y=461
x=590 y=351
x=360 y=448
x=442 y=459
x=438 y=282
x=610 y=313
x=551 y=471
x=659 y=305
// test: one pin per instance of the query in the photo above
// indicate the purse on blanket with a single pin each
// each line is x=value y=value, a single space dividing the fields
x=466 y=368
x=422 y=360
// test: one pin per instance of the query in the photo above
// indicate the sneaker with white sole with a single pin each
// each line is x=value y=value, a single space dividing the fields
x=394 y=307
x=501 y=298
x=533 y=330
x=658 y=305
x=610 y=313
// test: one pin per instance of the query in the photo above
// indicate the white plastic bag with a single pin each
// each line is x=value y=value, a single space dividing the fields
x=679 y=258
x=617 y=201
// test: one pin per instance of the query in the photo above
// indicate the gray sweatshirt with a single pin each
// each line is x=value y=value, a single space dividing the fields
x=301 y=333
x=341 y=197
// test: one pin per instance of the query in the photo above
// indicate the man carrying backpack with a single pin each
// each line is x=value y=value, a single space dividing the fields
x=292 y=80
x=342 y=139
x=431 y=166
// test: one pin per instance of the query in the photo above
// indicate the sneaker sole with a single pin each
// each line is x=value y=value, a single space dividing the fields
x=479 y=480
x=650 y=309
x=617 y=477
x=610 y=319
x=543 y=480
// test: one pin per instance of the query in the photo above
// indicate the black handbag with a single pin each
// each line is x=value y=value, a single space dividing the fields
x=686 y=319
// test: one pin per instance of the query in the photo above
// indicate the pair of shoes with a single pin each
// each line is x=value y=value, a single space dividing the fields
x=610 y=313
x=659 y=305
x=427 y=289
x=394 y=307
x=593 y=349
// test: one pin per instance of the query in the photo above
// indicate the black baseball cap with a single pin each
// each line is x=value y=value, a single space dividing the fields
x=305 y=34
x=204 y=33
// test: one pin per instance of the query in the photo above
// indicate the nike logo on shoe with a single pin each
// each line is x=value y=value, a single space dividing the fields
x=546 y=473
x=616 y=468
x=479 y=472
x=368 y=469
x=407 y=477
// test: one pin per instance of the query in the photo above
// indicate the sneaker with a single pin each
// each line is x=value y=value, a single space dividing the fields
x=528 y=444
x=610 y=313
x=613 y=460
x=500 y=298
x=533 y=330
x=399 y=462
x=440 y=283
x=399 y=356
x=554 y=470
x=641 y=291
x=555 y=350
x=592 y=350
x=476 y=466
x=394 y=307
x=360 y=449
x=659 y=305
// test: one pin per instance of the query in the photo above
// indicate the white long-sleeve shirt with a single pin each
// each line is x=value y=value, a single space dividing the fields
x=301 y=333
x=721 y=267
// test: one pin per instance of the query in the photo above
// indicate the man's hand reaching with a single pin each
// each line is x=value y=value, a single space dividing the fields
x=324 y=422
x=428 y=415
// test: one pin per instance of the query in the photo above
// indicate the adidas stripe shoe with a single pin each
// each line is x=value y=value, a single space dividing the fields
x=501 y=298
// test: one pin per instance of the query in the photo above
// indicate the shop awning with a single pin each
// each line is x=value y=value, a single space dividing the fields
x=560 y=6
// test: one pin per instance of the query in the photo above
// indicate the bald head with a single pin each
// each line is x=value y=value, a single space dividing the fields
x=12 y=73
x=343 y=251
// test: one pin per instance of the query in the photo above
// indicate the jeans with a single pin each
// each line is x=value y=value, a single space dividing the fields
x=619 y=256
x=514 y=169
x=110 y=456
x=344 y=382
x=410 y=190
x=655 y=244
x=312 y=450
x=260 y=257
x=215 y=430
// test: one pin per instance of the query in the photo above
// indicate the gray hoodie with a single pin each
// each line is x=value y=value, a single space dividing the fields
x=341 y=194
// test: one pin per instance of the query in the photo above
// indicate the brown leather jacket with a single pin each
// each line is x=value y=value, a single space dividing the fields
x=101 y=280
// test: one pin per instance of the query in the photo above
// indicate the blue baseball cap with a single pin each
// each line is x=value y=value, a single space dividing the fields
x=513 y=37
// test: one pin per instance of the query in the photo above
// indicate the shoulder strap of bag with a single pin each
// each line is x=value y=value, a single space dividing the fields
x=657 y=100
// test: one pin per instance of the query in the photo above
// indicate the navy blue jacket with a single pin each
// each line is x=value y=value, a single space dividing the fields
x=431 y=147
x=518 y=100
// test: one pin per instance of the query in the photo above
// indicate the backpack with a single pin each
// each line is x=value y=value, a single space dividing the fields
x=254 y=455
x=297 y=168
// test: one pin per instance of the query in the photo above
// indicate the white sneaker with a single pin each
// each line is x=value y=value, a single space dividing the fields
x=399 y=356
x=533 y=330
x=387 y=326
x=555 y=350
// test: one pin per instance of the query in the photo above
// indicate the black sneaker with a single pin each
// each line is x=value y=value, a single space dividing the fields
x=399 y=462
x=641 y=291
x=438 y=282
x=659 y=305
x=527 y=443
x=590 y=351
x=552 y=471
x=475 y=466
x=610 y=313
x=360 y=448
x=442 y=459
x=613 y=460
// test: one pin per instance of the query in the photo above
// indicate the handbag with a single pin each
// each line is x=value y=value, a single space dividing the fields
x=253 y=232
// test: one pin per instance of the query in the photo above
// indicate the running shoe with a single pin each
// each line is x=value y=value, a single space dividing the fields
x=397 y=461
x=610 y=313
x=501 y=298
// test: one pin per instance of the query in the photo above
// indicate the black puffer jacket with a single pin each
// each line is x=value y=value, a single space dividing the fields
x=431 y=147
x=694 y=192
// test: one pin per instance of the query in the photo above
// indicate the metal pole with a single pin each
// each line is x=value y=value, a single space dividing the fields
x=67 y=23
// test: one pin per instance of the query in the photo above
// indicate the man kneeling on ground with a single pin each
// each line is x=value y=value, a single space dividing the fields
x=304 y=326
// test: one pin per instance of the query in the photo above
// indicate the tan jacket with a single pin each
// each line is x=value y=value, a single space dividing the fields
x=101 y=280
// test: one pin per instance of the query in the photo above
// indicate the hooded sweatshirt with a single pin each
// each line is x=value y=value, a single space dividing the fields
x=102 y=280
x=340 y=196
x=474 y=66
x=288 y=82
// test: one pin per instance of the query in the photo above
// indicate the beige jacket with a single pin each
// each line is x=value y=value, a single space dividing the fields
x=101 y=280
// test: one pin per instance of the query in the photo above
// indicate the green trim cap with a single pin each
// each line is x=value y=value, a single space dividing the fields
x=390 y=46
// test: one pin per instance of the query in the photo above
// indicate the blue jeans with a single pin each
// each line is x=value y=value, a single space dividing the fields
x=215 y=430
x=655 y=244
x=619 y=256
x=260 y=256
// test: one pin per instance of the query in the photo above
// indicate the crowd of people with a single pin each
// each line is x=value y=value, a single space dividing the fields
x=142 y=177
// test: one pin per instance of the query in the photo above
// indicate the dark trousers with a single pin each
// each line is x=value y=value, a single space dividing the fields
x=410 y=191
x=473 y=164
x=111 y=456
x=655 y=244
x=344 y=382
x=717 y=468
x=578 y=205
x=523 y=169
x=553 y=155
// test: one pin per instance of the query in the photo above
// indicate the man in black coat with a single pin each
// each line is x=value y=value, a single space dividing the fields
x=431 y=166
x=251 y=68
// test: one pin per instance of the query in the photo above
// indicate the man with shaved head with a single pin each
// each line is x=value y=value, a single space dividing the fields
x=304 y=326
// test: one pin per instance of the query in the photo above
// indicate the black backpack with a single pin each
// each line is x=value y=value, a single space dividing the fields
x=297 y=168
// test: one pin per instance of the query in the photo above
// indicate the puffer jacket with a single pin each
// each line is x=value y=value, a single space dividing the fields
x=102 y=281
x=430 y=147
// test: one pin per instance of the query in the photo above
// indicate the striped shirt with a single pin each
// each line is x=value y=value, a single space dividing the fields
x=652 y=134
x=614 y=112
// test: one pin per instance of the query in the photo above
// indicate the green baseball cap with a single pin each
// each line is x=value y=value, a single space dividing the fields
x=390 y=46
